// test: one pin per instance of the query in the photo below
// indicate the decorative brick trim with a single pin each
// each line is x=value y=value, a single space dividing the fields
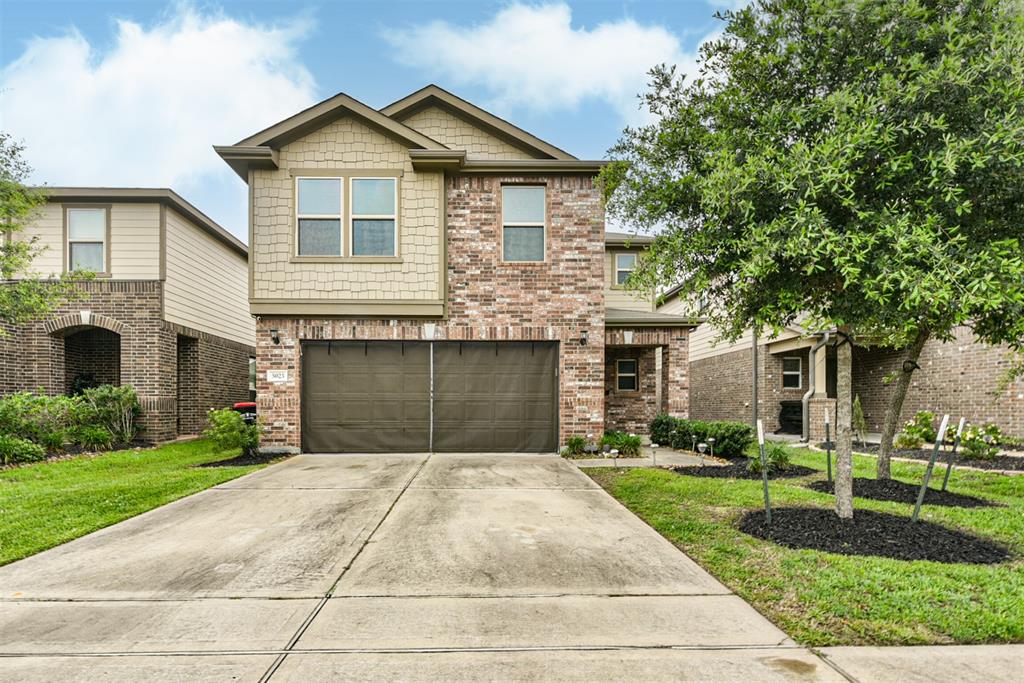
x=80 y=319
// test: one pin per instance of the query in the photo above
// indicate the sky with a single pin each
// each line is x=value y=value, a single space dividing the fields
x=135 y=94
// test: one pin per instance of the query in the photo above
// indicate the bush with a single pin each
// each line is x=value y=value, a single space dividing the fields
x=50 y=421
x=115 y=408
x=15 y=450
x=575 y=446
x=981 y=442
x=905 y=441
x=94 y=437
x=732 y=439
x=776 y=455
x=628 y=445
x=662 y=428
x=53 y=442
x=228 y=429
x=922 y=425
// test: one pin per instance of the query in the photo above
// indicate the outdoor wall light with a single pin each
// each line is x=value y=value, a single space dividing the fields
x=583 y=338
x=275 y=337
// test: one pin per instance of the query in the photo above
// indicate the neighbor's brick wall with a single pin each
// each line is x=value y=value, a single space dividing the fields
x=631 y=411
x=487 y=300
x=959 y=377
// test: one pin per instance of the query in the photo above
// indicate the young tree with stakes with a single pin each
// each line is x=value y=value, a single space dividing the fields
x=854 y=164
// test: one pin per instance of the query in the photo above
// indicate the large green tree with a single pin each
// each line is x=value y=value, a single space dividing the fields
x=24 y=296
x=860 y=162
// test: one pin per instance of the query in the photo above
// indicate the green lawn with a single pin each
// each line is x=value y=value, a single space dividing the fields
x=828 y=599
x=46 y=504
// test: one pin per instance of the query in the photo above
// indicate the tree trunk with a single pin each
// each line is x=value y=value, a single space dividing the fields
x=844 y=430
x=897 y=396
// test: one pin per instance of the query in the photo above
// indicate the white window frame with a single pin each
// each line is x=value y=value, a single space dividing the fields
x=354 y=217
x=619 y=269
x=543 y=224
x=799 y=372
x=635 y=374
x=318 y=216
x=103 y=243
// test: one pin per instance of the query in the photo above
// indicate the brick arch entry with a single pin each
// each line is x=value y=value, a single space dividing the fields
x=84 y=347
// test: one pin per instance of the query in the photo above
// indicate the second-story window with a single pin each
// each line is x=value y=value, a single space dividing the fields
x=624 y=266
x=522 y=220
x=374 y=216
x=318 y=216
x=87 y=239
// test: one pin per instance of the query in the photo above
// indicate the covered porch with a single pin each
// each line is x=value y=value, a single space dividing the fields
x=646 y=368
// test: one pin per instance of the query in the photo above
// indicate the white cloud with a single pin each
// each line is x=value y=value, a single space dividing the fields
x=146 y=111
x=532 y=57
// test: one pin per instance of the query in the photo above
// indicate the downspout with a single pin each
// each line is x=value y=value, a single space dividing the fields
x=810 y=390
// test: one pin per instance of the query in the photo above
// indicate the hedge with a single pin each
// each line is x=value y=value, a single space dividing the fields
x=732 y=439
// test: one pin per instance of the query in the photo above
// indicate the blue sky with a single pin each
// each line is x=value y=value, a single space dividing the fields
x=135 y=93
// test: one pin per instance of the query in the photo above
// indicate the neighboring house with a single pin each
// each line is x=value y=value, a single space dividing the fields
x=166 y=313
x=960 y=377
x=431 y=277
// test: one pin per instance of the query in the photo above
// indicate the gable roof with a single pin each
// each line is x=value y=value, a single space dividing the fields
x=156 y=195
x=434 y=96
x=625 y=239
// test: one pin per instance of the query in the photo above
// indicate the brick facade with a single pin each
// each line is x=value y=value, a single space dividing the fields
x=959 y=377
x=487 y=299
x=115 y=330
x=631 y=411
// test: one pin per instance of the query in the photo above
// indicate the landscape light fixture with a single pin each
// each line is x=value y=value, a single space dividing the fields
x=711 y=443
x=275 y=337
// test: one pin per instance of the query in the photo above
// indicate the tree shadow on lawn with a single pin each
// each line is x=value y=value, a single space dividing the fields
x=902 y=492
x=873 y=534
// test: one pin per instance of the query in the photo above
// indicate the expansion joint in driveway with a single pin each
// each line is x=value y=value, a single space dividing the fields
x=330 y=591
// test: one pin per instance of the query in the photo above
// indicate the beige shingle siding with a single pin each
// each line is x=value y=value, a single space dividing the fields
x=346 y=143
x=453 y=132
x=206 y=286
x=134 y=240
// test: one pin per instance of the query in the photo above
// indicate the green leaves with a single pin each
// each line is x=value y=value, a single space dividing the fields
x=858 y=161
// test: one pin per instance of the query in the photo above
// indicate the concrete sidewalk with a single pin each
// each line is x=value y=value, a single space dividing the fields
x=404 y=567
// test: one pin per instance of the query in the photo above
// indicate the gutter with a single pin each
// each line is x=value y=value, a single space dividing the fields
x=810 y=390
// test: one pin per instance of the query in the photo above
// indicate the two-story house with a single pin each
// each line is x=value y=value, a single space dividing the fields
x=166 y=312
x=428 y=276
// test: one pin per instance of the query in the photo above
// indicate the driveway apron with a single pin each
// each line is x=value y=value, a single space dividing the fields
x=404 y=567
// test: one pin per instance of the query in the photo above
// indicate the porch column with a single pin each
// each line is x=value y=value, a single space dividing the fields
x=675 y=363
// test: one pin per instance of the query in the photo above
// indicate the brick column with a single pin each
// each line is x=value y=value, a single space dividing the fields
x=675 y=376
x=277 y=403
x=817 y=407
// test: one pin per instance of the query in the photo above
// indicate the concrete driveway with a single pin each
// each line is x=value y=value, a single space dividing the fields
x=410 y=567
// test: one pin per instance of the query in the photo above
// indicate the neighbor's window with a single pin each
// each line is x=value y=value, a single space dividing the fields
x=522 y=220
x=318 y=216
x=87 y=240
x=624 y=266
x=792 y=372
x=374 y=216
x=625 y=374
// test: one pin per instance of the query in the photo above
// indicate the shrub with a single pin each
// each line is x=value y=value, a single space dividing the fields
x=575 y=446
x=94 y=437
x=732 y=439
x=860 y=423
x=14 y=450
x=83 y=381
x=922 y=426
x=981 y=442
x=53 y=441
x=628 y=445
x=115 y=408
x=228 y=429
x=905 y=441
x=662 y=428
x=776 y=455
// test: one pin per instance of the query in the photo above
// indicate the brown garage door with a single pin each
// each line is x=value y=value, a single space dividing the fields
x=376 y=396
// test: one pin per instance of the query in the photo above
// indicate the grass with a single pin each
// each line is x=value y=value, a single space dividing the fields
x=829 y=599
x=46 y=504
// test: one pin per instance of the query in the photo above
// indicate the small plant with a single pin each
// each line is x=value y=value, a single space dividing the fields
x=16 y=450
x=776 y=454
x=575 y=447
x=922 y=425
x=53 y=441
x=905 y=441
x=628 y=445
x=228 y=429
x=94 y=438
x=981 y=442
x=116 y=408
x=860 y=423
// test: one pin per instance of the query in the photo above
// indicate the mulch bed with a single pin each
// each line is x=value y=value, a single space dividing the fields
x=242 y=460
x=1000 y=462
x=871 y=533
x=737 y=469
x=902 y=492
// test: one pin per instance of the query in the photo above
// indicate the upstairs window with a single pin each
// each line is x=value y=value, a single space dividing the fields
x=318 y=216
x=374 y=216
x=624 y=266
x=87 y=240
x=792 y=372
x=522 y=219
